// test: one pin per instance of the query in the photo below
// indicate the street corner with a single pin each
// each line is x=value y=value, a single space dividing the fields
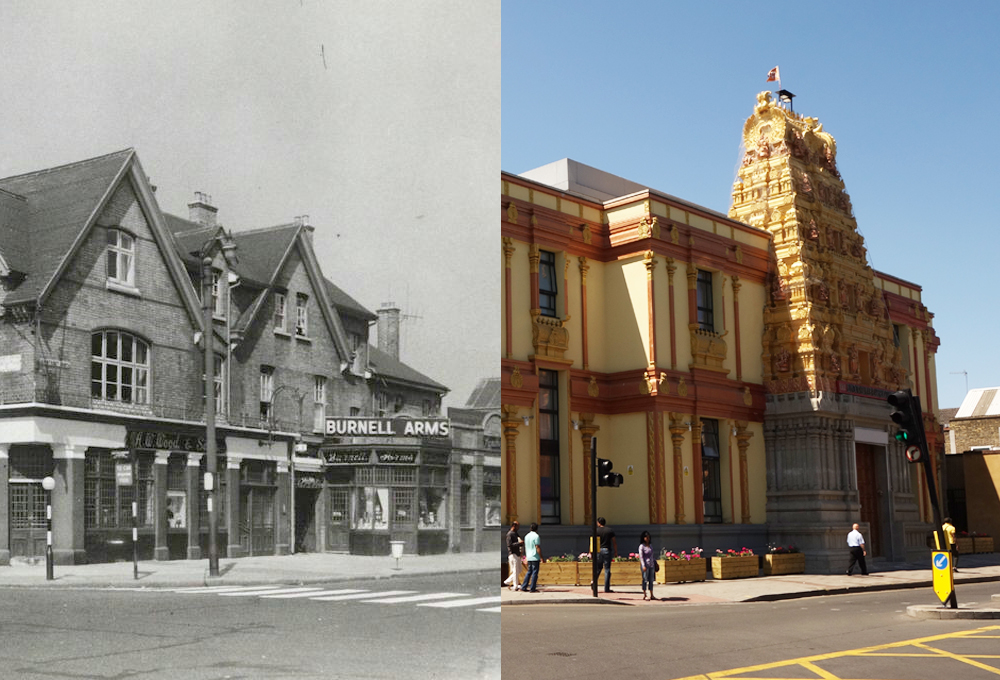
x=971 y=610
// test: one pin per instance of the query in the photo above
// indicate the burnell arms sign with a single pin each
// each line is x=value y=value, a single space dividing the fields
x=387 y=427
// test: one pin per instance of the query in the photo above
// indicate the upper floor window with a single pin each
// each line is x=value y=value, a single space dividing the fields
x=119 y=367
x=548 y=290
x=121 y=257
x=266 y=392
x=301 y=315
x=383 y=403
x=706 y=314
x=319 y=403
x=219 y=379
x=280 y=312
x=218 y=299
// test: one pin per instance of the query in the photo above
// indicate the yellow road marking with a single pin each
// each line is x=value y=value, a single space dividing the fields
x=809 y=666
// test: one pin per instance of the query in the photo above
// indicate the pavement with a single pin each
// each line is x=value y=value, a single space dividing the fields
x=882 y=576
x=299 y=568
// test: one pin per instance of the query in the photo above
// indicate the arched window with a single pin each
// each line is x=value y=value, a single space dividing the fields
x=119 y=367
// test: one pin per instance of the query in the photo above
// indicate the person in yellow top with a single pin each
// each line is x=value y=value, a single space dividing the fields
x=949 y=532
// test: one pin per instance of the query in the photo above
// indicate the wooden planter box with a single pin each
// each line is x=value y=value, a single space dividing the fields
x=982 y=544
x=964 y=545
x=734 y=567
x=558 y=573
x=676 y=571
x=784 y=563
x=622 y=574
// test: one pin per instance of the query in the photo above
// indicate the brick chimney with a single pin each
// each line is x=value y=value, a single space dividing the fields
x=202 y=211
x=388 y=329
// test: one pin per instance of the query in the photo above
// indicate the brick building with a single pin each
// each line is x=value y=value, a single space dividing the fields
x=972 y=466
x=102 y=328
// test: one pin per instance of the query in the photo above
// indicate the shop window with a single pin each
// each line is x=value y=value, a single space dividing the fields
x=491 y=504
x=119 y=367
x=432 y=508
x=370 y=509
x=465 y=507
x=121 y=257
x=338 y=506
x=109 y=506
x=402 y=503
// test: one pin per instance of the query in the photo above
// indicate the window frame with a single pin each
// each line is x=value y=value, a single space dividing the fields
x=711 y=465
x=136 y=368
x=301 y=315
x=319 y=403
x=280 y=312
x=705 y=300
x=548 y=295
x=266 y=393
x=117 y=252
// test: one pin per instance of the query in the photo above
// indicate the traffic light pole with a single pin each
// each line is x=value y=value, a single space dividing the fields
x=593 y=515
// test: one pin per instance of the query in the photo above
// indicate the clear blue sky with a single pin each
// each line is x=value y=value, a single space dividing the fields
x=657 y=92
x=380 y=120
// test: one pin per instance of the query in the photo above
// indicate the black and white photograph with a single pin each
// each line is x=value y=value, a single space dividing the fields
x=249 y=390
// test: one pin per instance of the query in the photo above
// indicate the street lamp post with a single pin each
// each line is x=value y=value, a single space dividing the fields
x=210 y=448
x=48 y=484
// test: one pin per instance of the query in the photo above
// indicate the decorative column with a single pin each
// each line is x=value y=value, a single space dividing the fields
x=476 y=501
x=192 y=484
x=4 y=504
x=671 y=268
x=650 y=262
x=587 y=432
x=67 y=505
x=743 y=436
x=508 y=252
x=699 y=481
x=533 y=259
x=584 y=268
x=234 y=548
x=654 y=449
x=510 y=423
x=677 y=430
x=736 y=325
x=160 y=549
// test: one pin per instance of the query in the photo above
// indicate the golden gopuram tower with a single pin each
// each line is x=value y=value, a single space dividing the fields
x=831 y=351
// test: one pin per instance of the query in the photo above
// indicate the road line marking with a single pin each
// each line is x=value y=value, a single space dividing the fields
x=490 y=609
x=362 y=596
x=217 y=589
x=313 y=593
x=298 y=592
x=416 y=598
x=463 y=603
x=808 y=662
x=262 y=591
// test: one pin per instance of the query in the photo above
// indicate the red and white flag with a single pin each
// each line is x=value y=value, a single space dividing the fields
x=773 y=75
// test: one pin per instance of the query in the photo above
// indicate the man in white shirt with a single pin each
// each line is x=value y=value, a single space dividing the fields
x=856 y=543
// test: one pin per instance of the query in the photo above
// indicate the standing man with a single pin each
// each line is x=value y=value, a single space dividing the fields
x=949 y=532
x=856 y=542
x=609 y=549
x=533 y=551
x=514 y=544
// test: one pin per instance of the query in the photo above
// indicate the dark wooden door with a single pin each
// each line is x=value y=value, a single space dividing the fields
x=339 y=534
x=866 y=457
x=27 y=520
x=257 y=520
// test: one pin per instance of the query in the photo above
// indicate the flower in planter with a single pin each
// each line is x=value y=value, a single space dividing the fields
x=561 y=558
x=742 y=552
x=781 y=549
x=583 y=557
x=632 y=557
x=686 y=555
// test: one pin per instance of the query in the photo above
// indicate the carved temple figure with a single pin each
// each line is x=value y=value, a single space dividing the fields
x=835 y=363
x=822 y=293
x=782 y=361
x=852 y=359
x=806 y=185
x=813 y=231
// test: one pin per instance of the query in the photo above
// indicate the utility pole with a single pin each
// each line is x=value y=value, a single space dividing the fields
x=210 y=449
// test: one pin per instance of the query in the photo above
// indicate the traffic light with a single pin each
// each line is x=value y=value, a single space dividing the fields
x=908 y=417
x=605 y=477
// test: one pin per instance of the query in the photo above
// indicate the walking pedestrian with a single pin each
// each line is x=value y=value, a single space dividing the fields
x=949 y=532
x=533 y=553
x=608 y=551
x=856 y=543
x=514 y=543
x=648 y=565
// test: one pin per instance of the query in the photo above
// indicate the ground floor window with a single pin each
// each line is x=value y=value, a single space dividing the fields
x=711 y=470
x=491 y=496
x=432 y=510
x=108 y=505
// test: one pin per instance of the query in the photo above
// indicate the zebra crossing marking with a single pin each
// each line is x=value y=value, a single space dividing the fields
x=342 y=591
x=463 y=603
x=253 y=593
x=216 y=589
x=362 y=596
x=490 y=609
x=414 y=598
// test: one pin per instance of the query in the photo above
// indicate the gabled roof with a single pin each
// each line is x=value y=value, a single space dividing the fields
x=486 y=394
x=386 y=367
x=58 y=204
x=345 y=304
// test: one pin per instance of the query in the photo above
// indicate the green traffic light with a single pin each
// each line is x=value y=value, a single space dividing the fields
x=902 y=436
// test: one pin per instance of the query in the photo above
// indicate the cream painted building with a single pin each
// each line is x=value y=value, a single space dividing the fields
x=733 y=367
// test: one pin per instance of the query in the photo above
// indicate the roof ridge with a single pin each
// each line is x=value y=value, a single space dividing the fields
x=196 y=226
x=13 y=195
x=67 y=165
x=260 y=230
